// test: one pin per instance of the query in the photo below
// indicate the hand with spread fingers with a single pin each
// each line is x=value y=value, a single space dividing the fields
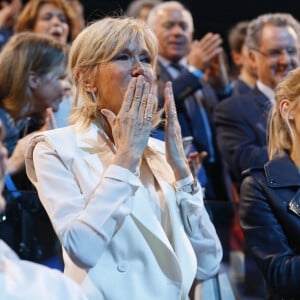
x=205 y=50
x=133 y=123
x=174 y=147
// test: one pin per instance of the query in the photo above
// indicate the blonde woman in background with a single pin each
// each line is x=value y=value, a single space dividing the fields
x=270 y=197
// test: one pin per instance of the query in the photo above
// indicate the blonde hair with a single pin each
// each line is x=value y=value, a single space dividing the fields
x=24 y=53
x=97 y=44
x=280 y=132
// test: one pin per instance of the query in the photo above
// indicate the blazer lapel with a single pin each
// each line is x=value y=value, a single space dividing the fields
x=156 y=238
x=180 y=243
x=92 y=142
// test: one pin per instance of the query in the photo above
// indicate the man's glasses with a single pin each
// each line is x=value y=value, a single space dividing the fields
x=276 y=53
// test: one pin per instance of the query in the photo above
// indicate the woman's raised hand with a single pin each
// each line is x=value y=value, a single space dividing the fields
x=132 y=125
x=174 y=146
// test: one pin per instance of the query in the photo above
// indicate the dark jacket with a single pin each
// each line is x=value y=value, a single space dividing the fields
x=241 y=126
x=184 y=88
x=240 y=87
x=271 y=228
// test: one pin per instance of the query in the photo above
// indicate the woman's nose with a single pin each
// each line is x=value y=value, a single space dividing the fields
x=55 y=19
x=137 y=69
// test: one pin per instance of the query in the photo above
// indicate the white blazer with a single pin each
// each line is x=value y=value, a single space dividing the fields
x=26 y=280
x=113 y=244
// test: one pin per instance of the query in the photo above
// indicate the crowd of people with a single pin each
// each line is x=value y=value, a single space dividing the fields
x=128 y=129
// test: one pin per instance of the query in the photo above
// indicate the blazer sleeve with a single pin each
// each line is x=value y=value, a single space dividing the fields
x=201 y=233
x=81 y=224
x=238 y=138
x=267 y=241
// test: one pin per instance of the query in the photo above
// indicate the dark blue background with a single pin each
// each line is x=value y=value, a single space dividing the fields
x=209 y=15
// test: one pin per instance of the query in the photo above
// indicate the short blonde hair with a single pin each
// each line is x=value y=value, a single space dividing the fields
x=280 y=133
x=24 y=53
x=99 y=43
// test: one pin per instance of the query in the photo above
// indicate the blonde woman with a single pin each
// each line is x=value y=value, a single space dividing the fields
x=270 y=198
x=126 y=208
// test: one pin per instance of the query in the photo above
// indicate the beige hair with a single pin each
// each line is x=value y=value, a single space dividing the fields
x=99 y=43
x=25 y=53
x=280 y=133
x=28 y=17
x=154 y=13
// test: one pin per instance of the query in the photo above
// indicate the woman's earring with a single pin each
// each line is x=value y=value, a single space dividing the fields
x=93 y=95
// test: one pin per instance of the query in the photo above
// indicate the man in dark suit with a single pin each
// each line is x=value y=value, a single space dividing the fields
x=195 y=99
x=241 y=121
x=244 y=72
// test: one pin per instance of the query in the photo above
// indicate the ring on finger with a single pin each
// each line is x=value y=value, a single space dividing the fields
x=148 y=118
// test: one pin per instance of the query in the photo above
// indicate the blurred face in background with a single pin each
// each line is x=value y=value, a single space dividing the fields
x=144 y=12
x=277 y=55
x=174 y=31
x=48 y=90
x=52 y=21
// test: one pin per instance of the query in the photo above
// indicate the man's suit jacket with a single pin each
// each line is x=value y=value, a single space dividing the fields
x=240 y=87
x=184 y=88
x=114 y=246
x=241 y=124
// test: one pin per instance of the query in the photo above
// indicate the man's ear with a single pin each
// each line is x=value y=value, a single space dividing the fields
x=34 y=80
x=236 y=57
x=284 y=110
x=251 y=56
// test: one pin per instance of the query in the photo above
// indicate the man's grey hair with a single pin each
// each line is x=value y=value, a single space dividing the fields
x=255 y=27
x=152 y=17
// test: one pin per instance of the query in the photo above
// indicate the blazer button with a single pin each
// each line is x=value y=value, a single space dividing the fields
x=273 y=182
x=122 y=267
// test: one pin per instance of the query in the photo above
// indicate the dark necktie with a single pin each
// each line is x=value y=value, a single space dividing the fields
x=198 y=120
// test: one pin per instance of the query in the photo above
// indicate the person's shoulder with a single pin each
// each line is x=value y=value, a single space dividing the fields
x=253 y=171
x=230 y=101
x=62 y=287
x=58 y=138
x=253 y=175
x=26 y=276
x=60 y=130
x=240 y=103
